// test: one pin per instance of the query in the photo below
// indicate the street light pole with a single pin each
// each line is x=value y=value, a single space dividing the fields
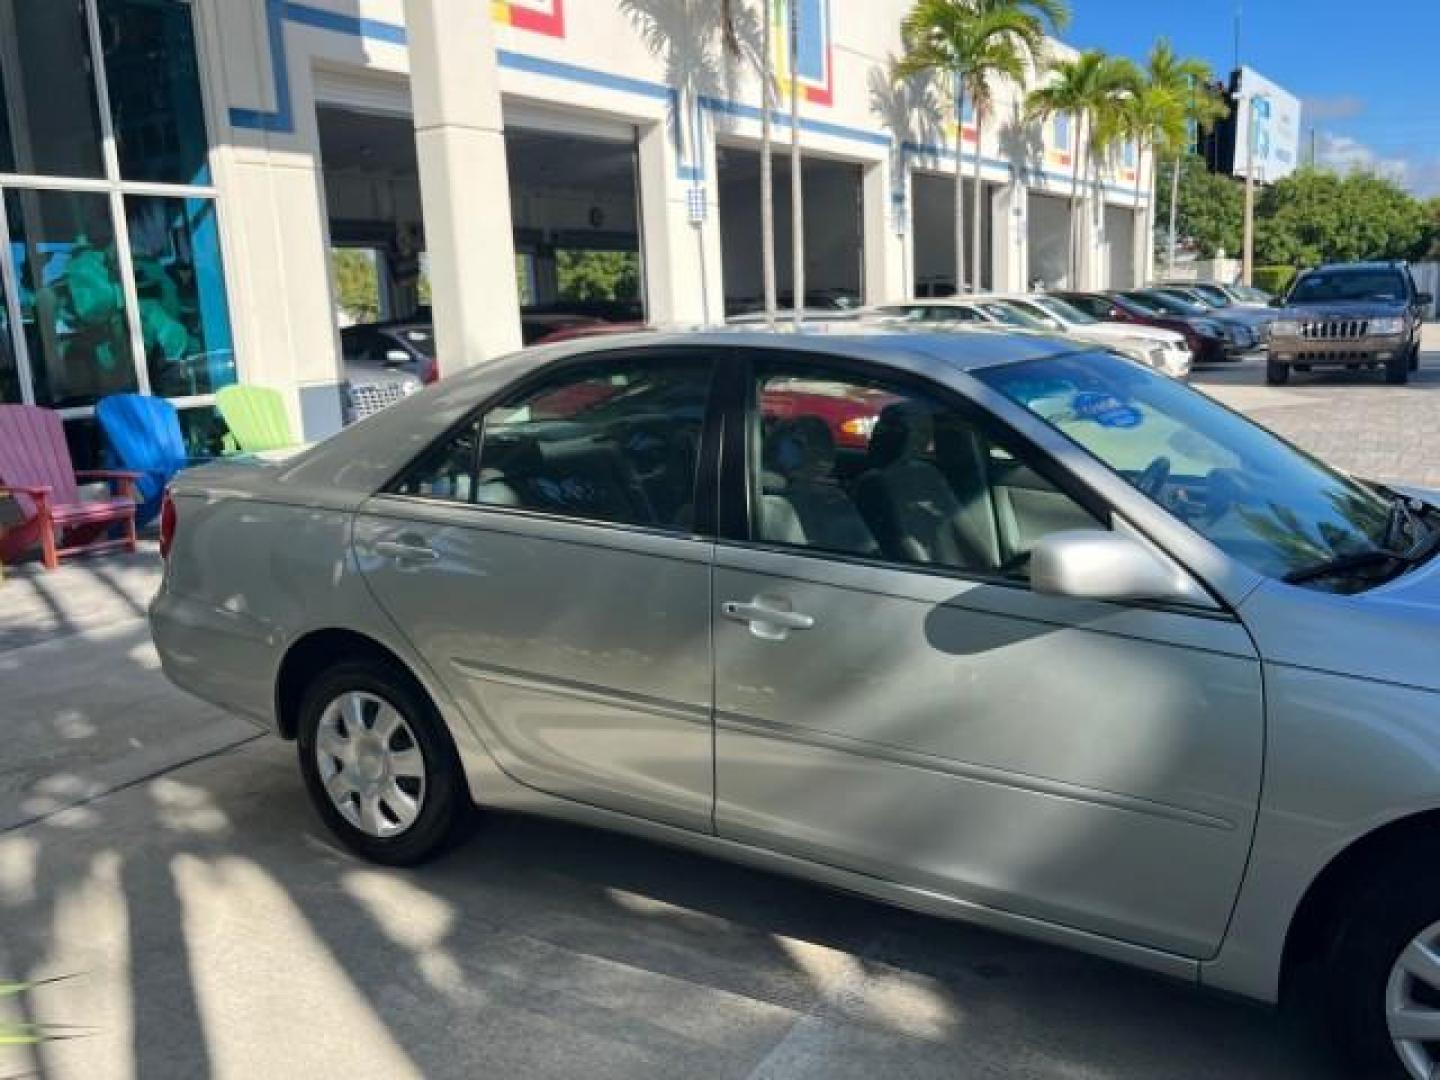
x=1247 y=269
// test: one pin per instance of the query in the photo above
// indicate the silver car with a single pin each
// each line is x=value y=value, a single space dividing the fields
x=981 y=625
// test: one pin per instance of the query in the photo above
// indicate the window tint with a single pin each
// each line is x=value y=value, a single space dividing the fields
x=49 y=116
x=617 y=442
x=861 y=468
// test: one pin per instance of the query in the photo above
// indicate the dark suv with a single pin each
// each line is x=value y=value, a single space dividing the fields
x=1351 y=315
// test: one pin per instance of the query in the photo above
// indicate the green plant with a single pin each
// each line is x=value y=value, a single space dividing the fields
x=1274 y=279
x=970 y=43
x=14 y=1033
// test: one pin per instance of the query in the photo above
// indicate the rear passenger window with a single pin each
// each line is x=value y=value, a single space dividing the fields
x=616 y=442
x=856 y=467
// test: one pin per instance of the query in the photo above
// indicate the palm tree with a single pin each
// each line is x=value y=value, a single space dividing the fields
x=1188 y=83
x=1076 y=88
x=1113 y=117
x=968 y=43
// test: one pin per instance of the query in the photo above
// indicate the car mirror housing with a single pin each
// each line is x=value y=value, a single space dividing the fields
x=1093 y=564
x=1424 y=299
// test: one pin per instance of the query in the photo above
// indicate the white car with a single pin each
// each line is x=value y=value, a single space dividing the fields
x=958 y=312
x=1164 y=350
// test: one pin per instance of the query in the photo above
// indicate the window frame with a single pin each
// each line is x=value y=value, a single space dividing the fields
x=117 y=189
x=741 y=454
x=707 y=487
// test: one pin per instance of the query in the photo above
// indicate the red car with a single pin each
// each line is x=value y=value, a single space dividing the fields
x=850 y=412
x=1205 y=347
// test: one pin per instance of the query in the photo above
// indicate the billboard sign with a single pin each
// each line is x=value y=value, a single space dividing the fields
x=1270 y=116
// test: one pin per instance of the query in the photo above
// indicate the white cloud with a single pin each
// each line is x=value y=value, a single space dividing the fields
x=1346 y=154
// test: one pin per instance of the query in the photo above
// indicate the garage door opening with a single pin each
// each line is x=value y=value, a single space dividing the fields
x=1120 y=239
x=834 y=231
x=932 y=197
x=1048 y=236
x=575 y=202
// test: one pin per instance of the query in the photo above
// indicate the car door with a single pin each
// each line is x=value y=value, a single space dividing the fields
x=892 y=698
x=547 y=559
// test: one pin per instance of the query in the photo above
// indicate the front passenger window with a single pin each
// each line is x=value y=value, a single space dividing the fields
x=856 y=467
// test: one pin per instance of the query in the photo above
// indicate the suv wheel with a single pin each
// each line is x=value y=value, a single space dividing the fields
x=1382 y=978
x=1415 y=357
x=1398 y=368
x=378 y=764
x=1276 y=374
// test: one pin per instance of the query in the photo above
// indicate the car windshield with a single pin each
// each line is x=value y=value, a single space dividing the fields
x=1322 y=286
x=1011 y=316
x=1064 y=312
x=1249 y=295
x=1254 y=496
x=1144 y=304
x=1212 y=293
x=1190 y=296
x=420 y=339
x=1172 y=305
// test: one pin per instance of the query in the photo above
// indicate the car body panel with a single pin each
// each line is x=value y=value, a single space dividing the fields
x=905 y=735
x=581 y=651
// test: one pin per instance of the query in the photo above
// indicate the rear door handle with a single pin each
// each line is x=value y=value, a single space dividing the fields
x=770 y=623
x=405 y=551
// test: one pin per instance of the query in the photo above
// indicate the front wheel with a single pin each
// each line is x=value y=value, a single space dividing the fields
x=1397 y=369
x=1415 y=357
x=1382 y=979
x=1276 y=374
x=378 y=763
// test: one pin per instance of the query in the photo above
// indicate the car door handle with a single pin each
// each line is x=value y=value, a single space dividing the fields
x=405 y=551
x=770 y=623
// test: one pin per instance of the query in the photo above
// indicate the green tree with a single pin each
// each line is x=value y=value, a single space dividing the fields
x=965 y=45
x=1315 y=216
x=597 y=275
x=357 y=283
x=1088 y=88
x=1209 y=210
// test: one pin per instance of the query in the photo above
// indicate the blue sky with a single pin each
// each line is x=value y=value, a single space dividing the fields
x=1371 y=86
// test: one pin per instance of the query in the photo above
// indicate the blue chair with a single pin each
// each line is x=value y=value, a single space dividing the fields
x=142 y=435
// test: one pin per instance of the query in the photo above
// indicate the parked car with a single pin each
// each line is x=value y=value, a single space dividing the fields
x=1240 y=337
x=1066 y=649
x=1218 y=302
x=1351 y=315
x=1163 y=350
x=390 y=352
x=1222 y=294
x=980 y=312
x=1208 y=339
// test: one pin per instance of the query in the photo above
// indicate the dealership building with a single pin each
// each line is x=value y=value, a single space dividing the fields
x=176 y=176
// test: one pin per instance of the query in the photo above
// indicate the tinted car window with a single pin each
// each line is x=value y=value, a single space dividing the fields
x=1381 y=285
x=861 y=468
x=616 y=442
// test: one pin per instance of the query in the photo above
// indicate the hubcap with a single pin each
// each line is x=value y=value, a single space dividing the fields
x=1412 y=1004
x=370 y=764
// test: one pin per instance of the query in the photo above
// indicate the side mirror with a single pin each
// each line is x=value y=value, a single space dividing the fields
x=1424 y=299
x=1277 y=301
x=396 y=358
x=1090 y=564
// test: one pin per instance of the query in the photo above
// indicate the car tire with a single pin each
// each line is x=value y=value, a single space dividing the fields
x=1397 y=369
x=1364 y=976
x=1276 y=374
x=401 y=794
x=1415 y=357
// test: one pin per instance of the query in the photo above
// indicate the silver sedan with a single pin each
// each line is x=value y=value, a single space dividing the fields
x=990 y=626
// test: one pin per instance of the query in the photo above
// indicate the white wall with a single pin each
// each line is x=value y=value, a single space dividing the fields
x=1049 y=225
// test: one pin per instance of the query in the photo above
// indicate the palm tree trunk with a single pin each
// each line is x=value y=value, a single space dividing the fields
x=977 y=234
x=1072 y=267
x=767 y=167
x=959 y=187
x=1174 y=217
x=1137 y=259
x=797 y=196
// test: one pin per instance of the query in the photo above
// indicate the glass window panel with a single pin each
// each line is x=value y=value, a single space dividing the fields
x=72 y=306
x=9 y=369
x=49 y=120
x=154 y=81
x=180 y=284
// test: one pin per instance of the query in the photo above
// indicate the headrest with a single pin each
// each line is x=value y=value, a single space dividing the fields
x=801 y=447
x=904 y=431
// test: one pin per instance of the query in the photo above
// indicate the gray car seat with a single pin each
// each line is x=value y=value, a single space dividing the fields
x=918 y=513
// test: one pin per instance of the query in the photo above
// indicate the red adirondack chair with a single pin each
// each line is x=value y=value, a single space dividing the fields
x=36 y=471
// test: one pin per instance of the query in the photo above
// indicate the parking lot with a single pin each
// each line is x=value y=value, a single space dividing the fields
x=160 y=859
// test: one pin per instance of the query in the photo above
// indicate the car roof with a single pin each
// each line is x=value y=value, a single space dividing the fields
x=1387 y=264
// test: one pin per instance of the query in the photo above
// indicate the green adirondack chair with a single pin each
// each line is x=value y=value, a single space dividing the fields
x=256 y=418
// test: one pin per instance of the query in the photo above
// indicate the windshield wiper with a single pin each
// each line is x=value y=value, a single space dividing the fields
x=1345 y=564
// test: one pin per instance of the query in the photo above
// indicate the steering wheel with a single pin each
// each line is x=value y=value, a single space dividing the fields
x=1151 y=482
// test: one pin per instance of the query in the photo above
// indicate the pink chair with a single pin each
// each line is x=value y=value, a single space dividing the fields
x=36 y=471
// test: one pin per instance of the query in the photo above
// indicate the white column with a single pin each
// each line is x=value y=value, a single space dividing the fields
x=464 y=183
x=886 y=274
x=680 y=226
x=1009 y=207
x=1145 y=244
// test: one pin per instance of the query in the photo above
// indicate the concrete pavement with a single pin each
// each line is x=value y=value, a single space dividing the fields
x=167 y=863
